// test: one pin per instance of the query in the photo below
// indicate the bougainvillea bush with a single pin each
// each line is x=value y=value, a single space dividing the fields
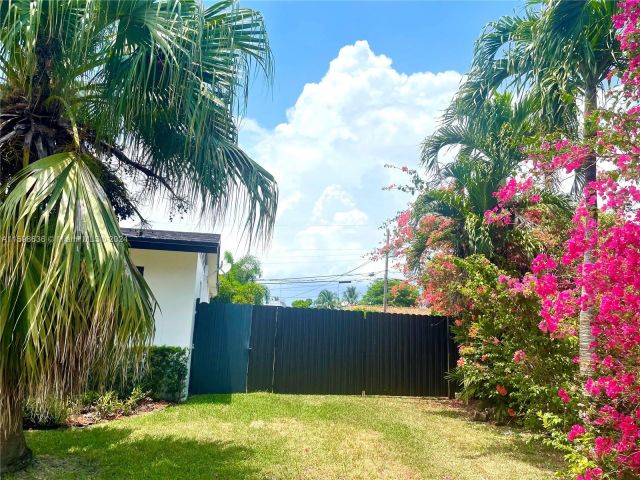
x=606 y=440
x=505 y=360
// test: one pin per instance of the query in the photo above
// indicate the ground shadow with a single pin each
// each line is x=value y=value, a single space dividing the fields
x=101 y=453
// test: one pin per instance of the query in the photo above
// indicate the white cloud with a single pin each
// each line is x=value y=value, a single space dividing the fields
x=329 y=156
x=332 y=197
x=355 y=217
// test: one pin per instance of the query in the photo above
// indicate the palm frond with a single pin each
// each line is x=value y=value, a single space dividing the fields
x=70 y=298
x=160 y=82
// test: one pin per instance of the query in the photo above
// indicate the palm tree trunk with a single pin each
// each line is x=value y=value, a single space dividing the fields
x=14 y=453
x=590 y=171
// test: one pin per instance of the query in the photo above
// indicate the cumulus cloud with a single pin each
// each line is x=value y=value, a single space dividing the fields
x=329 y=157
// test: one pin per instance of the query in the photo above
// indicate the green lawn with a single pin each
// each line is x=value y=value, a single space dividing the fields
x=266 y=436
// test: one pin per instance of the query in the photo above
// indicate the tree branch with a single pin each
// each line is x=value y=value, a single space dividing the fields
x=122 y=157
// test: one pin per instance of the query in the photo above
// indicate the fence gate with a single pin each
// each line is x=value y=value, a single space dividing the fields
x=244 y=348
x=220 y=356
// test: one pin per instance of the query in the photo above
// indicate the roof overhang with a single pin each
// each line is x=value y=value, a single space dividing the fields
x=145 y=239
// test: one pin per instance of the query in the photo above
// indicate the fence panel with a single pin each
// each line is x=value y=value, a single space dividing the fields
x=262 y=345
x=220 y=356
x=318 y=351
x=406 y=355
x=241 y=348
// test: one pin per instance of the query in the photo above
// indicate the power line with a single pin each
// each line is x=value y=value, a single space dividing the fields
x=354 y=277
x=305 y=225
x=317 y=277
x=303 y=282
x=306 y=262
x=329 y=250
x=320 y=255
x=320 y=276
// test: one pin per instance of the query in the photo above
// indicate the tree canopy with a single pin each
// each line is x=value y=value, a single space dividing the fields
x=327 y=299
x=400 y=294
x=239 y=283
x=302 y=303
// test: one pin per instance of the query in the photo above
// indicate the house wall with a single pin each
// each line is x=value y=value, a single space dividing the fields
x=174 y=280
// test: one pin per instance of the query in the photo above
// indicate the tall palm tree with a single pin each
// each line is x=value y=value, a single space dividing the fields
x=488 y=142
x=350 y=295
x=555 y=57
x=246 y=269
x=327 y=299
x=104 y=105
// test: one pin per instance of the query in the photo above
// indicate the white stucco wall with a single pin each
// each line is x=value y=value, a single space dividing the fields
x=174 y=280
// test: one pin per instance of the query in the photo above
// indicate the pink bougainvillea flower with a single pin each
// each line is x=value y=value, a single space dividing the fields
x=564 y=396
x=575 y=432
x=519 y=356
x=591 y=474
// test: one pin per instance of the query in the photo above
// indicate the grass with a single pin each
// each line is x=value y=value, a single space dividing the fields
x=267 y=436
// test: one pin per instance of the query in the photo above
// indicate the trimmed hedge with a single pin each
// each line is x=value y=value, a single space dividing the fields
x=163 y=374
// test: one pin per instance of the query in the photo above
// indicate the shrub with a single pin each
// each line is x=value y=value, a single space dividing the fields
x=166 y=374
x=49 y=414
x=109 y=404
x=506 y=361
x=163 y=375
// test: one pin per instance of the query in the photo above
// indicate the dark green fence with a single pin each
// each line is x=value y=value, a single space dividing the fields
x=244 y=348
x=221 y=348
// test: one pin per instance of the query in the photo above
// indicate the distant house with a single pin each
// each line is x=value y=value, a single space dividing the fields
x=180 y=267
x=275 y=302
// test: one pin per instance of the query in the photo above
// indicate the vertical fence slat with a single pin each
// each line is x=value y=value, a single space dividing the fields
x=262 y=345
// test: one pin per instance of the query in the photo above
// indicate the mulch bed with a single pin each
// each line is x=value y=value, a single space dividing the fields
x=89 y=416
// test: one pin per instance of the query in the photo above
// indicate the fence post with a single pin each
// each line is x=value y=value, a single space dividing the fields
x=451 y=356
x=273 y=363
x=246 y=375
x=364 y=345
x=448 y=358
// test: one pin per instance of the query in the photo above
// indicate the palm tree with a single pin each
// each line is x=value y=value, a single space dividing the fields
x=554 y=57
x=488 y=151
x=240 y=282
x=104 y=105
x=350 y=295
x=327 y=299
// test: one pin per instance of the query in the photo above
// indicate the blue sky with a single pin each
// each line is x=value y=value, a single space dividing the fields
x=418 y=35
x=357 y=85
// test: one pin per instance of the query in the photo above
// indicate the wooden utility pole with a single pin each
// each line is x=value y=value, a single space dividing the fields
x=386 y=275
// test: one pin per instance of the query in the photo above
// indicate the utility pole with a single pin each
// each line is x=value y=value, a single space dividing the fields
x=386 y=275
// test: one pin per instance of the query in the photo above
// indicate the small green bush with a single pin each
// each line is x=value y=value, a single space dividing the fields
x=50 y=414
x=166 y=374
x=162 y=375
x=109 y=403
